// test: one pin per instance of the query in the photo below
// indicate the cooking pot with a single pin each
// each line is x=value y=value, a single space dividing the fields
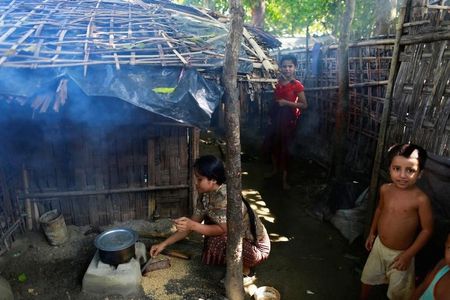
x=116 y=246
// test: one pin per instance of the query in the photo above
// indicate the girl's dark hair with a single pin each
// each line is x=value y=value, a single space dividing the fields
x=406 y=150
x=289 y=57
x=211 y=167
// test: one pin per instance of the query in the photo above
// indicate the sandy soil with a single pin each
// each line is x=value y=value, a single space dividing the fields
x=309 y=259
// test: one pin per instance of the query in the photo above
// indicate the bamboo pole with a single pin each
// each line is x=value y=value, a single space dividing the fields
x=27 y=195
x=352 y=85
x=425 y=38
x=395 y=64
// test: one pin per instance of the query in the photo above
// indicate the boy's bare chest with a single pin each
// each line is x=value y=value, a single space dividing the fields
x=401 y=206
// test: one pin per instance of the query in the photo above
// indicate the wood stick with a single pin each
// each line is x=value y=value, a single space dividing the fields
x=176 y=254
x=154 y=265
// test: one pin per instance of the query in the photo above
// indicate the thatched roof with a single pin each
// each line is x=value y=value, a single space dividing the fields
x=64 y=33
x=157 y=55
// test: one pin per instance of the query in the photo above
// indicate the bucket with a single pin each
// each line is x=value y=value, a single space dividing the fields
x=266 y=293
x=54 y=227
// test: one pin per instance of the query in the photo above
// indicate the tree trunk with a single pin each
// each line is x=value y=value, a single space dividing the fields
x=233 y=283
x=340 y=134
x=258 y=14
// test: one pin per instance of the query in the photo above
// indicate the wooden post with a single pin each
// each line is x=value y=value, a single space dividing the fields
x=395 y=64
x=194 y=151
x=151 y=173
x=26 y=189
x=233 y=283
x=340 y=132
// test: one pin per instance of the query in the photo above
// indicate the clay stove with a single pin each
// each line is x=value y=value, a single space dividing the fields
x=104 y=280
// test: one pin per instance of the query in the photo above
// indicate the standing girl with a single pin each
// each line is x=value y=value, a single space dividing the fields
x=289 y=102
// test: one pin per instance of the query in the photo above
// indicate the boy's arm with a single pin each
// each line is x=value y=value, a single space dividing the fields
x=402 y=261
x=374 y=227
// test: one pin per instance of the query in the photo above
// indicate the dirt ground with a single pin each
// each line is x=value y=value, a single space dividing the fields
x=309 y=258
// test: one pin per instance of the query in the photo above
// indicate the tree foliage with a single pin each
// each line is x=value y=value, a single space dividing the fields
x=292 y=17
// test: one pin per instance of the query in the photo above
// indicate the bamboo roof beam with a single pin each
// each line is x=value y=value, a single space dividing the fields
x=161 y=55
x=19 y=23
x=59 y=45
x=111 y=38
x=130 y=34
x=17 y=44
x=184 y=61
x=89 y=31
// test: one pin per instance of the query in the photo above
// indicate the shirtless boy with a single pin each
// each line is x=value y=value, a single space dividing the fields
x=401 y=226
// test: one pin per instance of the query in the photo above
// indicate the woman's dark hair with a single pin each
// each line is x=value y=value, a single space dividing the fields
x=406 y=150
x=211 y=167
x=289 y=57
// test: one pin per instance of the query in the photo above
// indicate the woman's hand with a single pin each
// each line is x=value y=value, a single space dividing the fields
x=184 y=224
x=156 y=249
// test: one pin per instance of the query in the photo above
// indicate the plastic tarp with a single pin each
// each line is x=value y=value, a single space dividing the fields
x=180 y=94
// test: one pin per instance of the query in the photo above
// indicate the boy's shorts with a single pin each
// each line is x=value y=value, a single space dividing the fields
x=377 y=271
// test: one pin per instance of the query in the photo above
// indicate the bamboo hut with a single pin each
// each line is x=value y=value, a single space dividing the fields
x=101 y=103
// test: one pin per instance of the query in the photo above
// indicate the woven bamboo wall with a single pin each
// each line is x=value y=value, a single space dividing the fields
x=126 y=158
x=421 y=105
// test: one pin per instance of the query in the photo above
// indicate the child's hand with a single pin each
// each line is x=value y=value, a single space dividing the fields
x=401 y=262
x=282 y=102
x=369 y=241
x=183 y=224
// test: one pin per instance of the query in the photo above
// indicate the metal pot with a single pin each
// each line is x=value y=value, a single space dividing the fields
x=116 y=246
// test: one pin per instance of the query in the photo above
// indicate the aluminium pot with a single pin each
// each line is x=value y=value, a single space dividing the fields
x=116 y=246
